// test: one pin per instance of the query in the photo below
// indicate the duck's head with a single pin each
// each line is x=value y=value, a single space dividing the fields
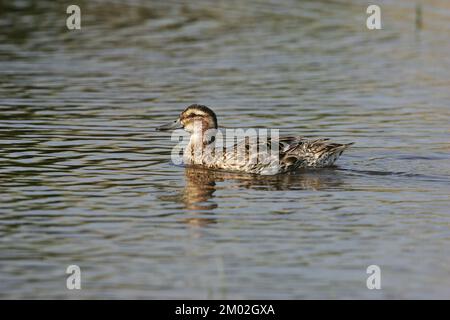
x=193 y=118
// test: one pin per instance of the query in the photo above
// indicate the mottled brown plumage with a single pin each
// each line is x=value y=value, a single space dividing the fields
x=252 y=155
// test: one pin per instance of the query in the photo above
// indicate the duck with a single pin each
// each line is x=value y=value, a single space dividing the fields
x=250 y=155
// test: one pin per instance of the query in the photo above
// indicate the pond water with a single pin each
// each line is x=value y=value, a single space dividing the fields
x=85 y=179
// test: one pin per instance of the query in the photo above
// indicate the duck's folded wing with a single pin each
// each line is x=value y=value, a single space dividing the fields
x=313 y=153
x=290 y=152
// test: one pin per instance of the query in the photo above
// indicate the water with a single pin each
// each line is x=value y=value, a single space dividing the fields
x=86 y=180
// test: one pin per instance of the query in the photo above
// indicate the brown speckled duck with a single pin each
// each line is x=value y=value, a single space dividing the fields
x=291 y=153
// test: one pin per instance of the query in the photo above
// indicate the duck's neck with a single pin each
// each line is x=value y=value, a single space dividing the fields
x=201 y=147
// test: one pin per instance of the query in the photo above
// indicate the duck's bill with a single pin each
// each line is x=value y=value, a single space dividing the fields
x=170 y=126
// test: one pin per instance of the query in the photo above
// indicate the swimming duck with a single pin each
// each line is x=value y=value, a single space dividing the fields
x=291 y=153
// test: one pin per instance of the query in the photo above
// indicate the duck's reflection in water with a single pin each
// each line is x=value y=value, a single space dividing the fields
x=201 y=184
x=198 y=192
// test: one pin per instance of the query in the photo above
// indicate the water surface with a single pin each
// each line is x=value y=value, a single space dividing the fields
x=85 y=180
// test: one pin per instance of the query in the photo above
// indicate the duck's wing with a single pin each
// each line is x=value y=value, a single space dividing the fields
x=310 y=153
x=256 y=154
x=293 y=152
x=282 y=144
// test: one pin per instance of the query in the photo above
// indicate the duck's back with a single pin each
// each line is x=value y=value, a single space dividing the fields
x=273 y=156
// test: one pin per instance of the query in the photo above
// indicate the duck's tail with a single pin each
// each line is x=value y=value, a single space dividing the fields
x=334 y=151
x=342 y=147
